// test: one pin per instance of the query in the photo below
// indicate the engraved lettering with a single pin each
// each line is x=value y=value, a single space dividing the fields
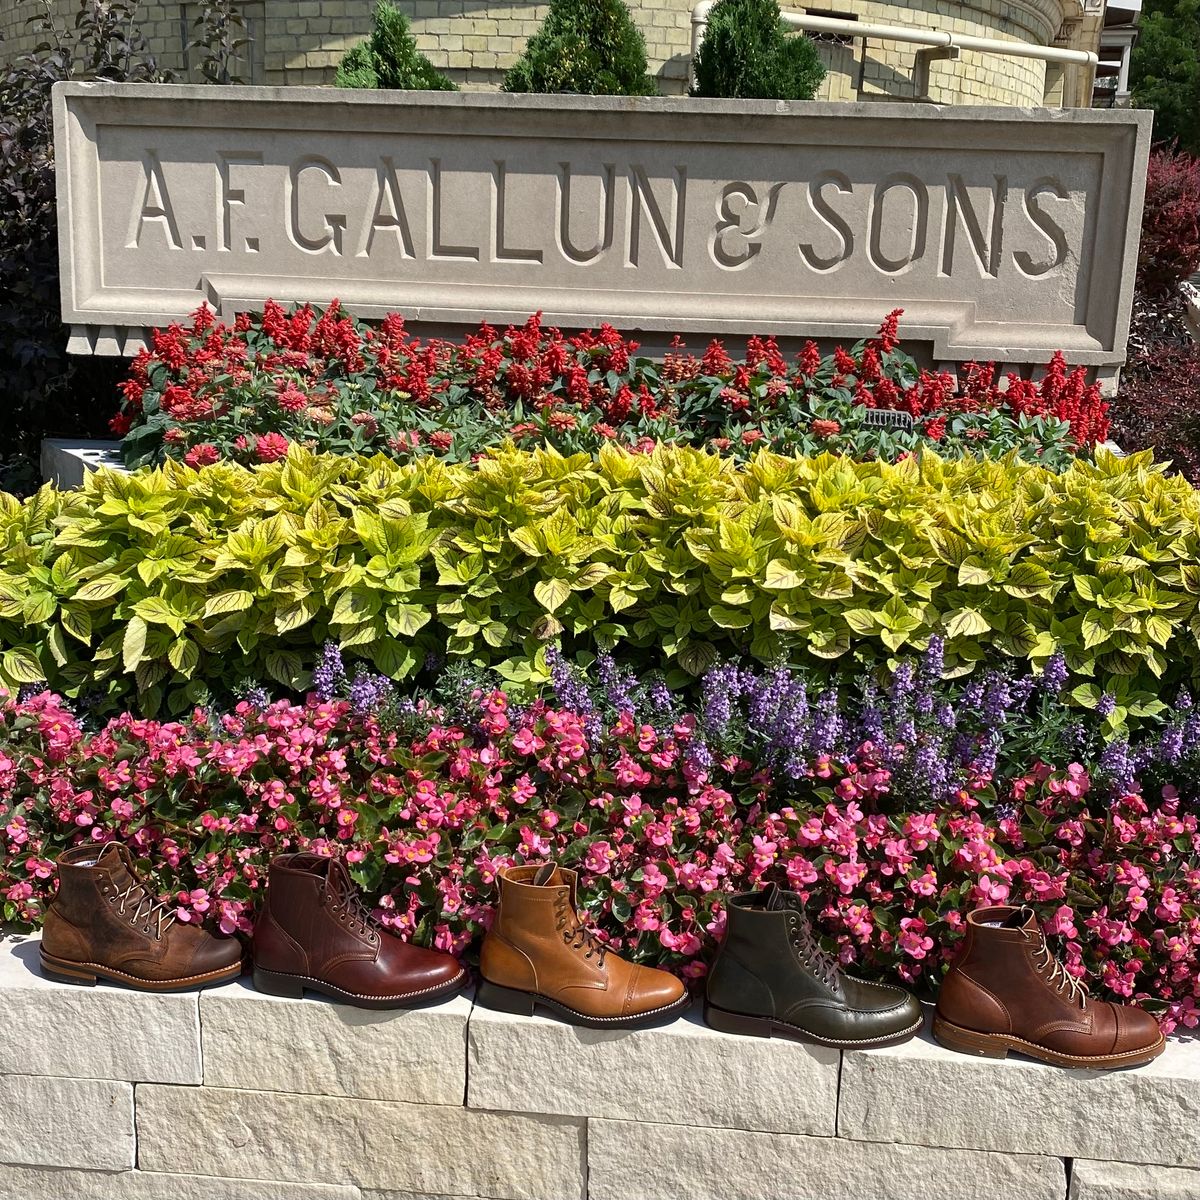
x=642 y=197
x=958 y=202
x=155 y=206
x=1047 y=224
x=824 y=210
x=608 y=192
x=918 y=229
x=334 y=223
x=229 y=195
x=730 y=223
x=437 y=249
x=389 y=215
x=501 y=252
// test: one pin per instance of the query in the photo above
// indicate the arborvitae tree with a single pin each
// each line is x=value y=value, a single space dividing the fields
x=590 y=47
x=390 y=59
x=747 y=54
x=1166 y=70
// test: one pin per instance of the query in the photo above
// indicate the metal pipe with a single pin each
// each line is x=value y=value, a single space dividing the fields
x=905 y=33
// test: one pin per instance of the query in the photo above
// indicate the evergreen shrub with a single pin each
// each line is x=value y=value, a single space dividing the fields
x=390 y=59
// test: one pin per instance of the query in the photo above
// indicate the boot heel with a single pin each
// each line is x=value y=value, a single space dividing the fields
x=65 y=972
x=273 y=984
x=503 y=999
x=727 y=1022
x=966 y=1041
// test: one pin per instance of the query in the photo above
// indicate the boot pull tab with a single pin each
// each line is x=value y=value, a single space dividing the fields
x=545 y=872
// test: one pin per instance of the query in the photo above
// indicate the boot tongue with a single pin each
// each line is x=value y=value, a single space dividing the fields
x=339 y=878
x=775 y=899
x=548 y=876
x=113 y=861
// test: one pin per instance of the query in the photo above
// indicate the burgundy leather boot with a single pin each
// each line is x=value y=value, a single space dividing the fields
x=1006 y=991
x=315 y=932
x=105 y=923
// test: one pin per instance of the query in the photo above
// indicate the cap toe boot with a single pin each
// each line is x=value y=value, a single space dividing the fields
x=771 y=977
x=539 y=953
x=106 y=923
x=314 y=932
x=1006 y=991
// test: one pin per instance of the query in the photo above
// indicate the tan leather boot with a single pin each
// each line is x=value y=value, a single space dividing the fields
x=1006 y=992
x=539 y=952
x=106 y=923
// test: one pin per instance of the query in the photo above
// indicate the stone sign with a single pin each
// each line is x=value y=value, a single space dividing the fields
x=1004 y=234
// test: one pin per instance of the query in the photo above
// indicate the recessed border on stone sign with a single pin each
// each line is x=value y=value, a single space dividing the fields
x=1004 y=233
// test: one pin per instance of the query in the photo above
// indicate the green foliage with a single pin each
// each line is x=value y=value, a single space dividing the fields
x=1166 y=69
x=590 y=47
x=748 y=54
x=390 y=59
x=174 y=583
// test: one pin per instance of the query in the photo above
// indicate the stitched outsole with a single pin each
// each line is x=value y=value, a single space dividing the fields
x=401 y=1000
x=970 y=1041
x=741 y=1025
x=67 y=970
x=489 y=992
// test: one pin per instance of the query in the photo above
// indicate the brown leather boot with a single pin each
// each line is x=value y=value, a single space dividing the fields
x=315 y=932
x=538 y=952
x=1006 y=992
x=106 y=923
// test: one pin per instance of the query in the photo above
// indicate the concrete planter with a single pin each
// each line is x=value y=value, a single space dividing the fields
x=230 y=1095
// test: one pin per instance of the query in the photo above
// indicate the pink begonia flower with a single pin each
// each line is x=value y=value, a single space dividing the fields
x=599 y=858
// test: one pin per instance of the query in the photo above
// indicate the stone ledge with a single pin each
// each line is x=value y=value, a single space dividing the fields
x=40 y=1183
x=373 y=1144
x=85 y=1123
x=99 y=1032
x=681 y=1163
x=319 y=1048
x=66 y=461
x=921 y=1092
x=540 y=1065
x=1122 y=1181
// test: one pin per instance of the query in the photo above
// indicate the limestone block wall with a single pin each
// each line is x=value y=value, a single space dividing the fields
x=109 y=1094
x=475 y=41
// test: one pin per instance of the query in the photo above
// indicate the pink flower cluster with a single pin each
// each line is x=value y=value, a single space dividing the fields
x=427 y=819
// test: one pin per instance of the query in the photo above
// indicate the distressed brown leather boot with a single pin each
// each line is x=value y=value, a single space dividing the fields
x=771 y=977
x=106 y=923
x=1006 y=991
x=314 y=931
x=538 y=952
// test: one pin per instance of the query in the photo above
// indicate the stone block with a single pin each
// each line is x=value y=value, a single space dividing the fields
x=922 y=1092
x=521 y=1065
x=85 y=1123
x=321 y=1048
x=1126 y=1181
x=374 y=1144
x=101 y=1032
x=44 y=1183
x=66 y=461
x=674 y=1162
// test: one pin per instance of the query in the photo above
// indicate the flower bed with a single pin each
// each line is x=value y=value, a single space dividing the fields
x=150 y=583
x=245 y=392
x=893 y=812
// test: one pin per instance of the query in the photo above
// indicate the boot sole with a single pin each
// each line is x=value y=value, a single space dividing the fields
x=512 y=1000
x=997 y=1045
x=728 y=1022
x=85 y=974
x=293 y=987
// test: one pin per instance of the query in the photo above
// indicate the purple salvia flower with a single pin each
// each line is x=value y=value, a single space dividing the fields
x=1106 y=705
x=329 y=675
x=1054 y=674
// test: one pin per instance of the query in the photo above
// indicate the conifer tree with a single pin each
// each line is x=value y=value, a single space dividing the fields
x=389 y=58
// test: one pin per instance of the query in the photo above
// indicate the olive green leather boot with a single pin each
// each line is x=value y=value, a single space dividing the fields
x=771 y=977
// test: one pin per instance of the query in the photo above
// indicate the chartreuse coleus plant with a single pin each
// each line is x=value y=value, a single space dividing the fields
x=159 y=588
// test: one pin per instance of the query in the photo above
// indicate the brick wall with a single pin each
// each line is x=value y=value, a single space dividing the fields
x=474 y=41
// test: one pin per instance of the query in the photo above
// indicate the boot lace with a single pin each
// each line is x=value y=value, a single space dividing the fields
x=818 y=960
x=573 y=932
x=159 y=910
x=1063 y=982
x=344 y=900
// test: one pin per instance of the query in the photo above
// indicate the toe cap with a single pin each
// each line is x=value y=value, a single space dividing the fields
x=653 y=989
x=1136 y=1029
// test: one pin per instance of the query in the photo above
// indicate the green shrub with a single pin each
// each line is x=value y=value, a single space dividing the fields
x=590 y=47
x=390 y=59
x=747 y=54
x=173 y=582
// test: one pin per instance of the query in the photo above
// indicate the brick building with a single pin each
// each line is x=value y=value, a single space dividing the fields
x=474 y=41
